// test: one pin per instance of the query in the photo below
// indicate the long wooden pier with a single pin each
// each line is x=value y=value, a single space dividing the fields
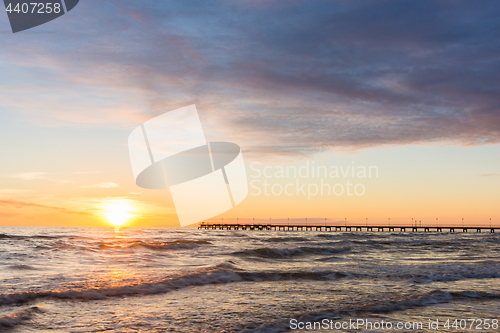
x=318 y=227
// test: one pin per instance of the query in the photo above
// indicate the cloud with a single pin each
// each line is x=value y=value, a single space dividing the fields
x=294 y=77
x=101 y=185
x=40 y=176
x=490 y=175
x=30 y=175
x=22 y=204
x=13 y=191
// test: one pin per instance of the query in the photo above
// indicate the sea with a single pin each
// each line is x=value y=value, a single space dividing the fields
x=190 y=280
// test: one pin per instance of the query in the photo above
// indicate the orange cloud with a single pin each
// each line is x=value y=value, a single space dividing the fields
x=22 y=204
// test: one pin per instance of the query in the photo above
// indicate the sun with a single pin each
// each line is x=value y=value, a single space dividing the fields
x=118 y=212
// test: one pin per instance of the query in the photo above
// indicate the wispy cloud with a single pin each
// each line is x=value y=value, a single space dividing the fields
x=101 y=185
x=40 y=176
x=490 y=175
x=22 y=204
x=13 y=191
x=30 y=175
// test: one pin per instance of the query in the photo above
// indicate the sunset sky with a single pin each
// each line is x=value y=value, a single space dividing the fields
x=411 y=87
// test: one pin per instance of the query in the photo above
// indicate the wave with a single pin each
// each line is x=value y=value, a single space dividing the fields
x=220 y=274
x=181 y=244
x=284 y=239
x=120 y=245
x=5 y=236
x=273 y=253
x=437 y=296
x=379 y=306
x=423 y=275
x=457 y=276
x=22 y=267
x=14 y=319
x=173 y=245
x=397 y=302
x=293 y=275
x=411 y=242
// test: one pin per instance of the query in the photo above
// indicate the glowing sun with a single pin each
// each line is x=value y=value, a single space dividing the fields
x=118 y=212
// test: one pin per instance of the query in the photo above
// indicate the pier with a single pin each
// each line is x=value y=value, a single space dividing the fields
x=344 y=227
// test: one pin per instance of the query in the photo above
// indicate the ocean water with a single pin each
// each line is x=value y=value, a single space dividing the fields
x=188 y=280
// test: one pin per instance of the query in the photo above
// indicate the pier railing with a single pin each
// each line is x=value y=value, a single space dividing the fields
x=316 y=225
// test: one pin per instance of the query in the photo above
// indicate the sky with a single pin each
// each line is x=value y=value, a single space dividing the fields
x=411 y=88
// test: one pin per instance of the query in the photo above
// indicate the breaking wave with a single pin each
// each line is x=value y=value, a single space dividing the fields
x=223 y=273
x=14 y=319
x=273 y=253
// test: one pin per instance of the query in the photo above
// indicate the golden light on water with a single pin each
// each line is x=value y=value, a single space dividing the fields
x=118 y=212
